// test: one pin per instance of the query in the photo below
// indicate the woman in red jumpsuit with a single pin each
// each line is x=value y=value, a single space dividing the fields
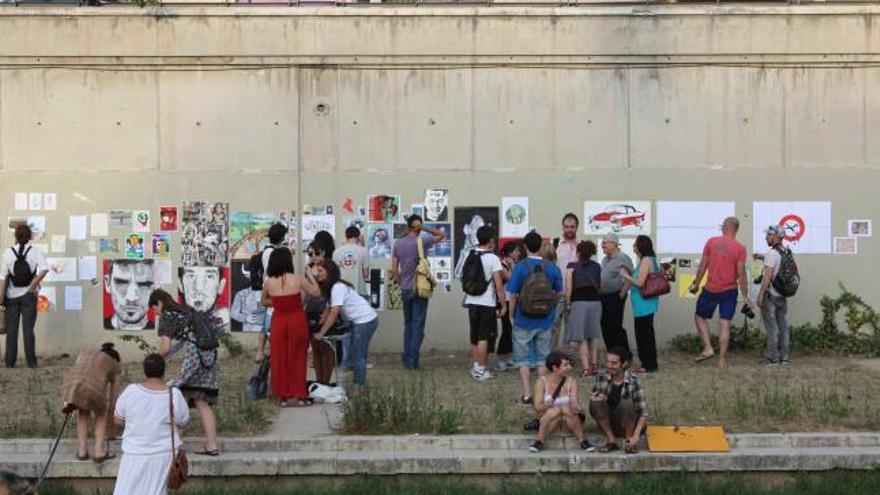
x=289 y=337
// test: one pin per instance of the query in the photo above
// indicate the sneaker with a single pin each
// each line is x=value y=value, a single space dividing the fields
x=475 y=373
x=526 y=401
x=586 y=447
x=483 y=375
x=504 y=365
x=537 y=446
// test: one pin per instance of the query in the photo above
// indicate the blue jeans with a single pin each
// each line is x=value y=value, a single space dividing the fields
x=415 y=311
x=360 y=343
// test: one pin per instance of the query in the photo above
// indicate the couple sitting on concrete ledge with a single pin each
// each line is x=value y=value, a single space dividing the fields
x=617 y=402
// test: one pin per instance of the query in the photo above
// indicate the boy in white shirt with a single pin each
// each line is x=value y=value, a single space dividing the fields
x=484 y=308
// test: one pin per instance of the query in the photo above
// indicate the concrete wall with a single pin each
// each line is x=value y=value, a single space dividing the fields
x=134 y=108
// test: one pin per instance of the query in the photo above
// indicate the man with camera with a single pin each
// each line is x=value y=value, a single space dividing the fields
x=774 y=305
x=724 y=260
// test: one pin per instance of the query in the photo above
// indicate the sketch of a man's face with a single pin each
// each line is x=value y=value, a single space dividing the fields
x=380 y=236
x=201 y=286
x=129 y=284
x=435 y=203
x=515 y=214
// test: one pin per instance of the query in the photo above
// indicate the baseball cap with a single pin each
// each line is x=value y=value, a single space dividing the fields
x=611 y=238
x=776 y=230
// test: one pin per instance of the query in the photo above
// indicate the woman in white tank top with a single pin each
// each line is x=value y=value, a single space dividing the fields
x=556 y=401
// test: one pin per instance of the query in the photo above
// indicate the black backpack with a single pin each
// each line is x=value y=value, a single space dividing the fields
x=787 y=279
x=21 y=275
x=473 y=276
x=203 y=332
x=255 y=267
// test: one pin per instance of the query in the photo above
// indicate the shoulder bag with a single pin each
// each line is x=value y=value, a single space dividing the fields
x=656 y=284
x=424 y=283
x=179 y=471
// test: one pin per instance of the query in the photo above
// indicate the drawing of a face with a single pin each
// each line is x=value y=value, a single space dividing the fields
x=515 y=214
x=129 y=284
x=201 y=286
x=435 y=203
x=380 y=236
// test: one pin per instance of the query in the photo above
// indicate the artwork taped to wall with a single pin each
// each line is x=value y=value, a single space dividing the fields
x=247 y=313
x=20 y=201
x=140 y=220
x=467 y=220
x=683 y=227
x=61 y=270
x=35 y=201
x=443 y=248
x=846 y=245
x=120 y=219
x=400 y=230
x=38 y=227
x=164 y=272
x=100 y=225
x=684 y=283
x=205 y=234
x=617 y=217
x=669 y=267
x=379 y=240
x=288 y=219
x=206 y=290
x=59 y=244
x=50 y=201
x=108 y=246
x=515 y=216
x=134 y=246
x=417 y=209
x=127 y=287
x=859 y=228
x=436 y=205
x=47 y=299
x=168 y=218
x=358 y=222
x=249 y=233
x=441 y=269
x=807 y=225
x=383 y=208
x=393 y=295
x=160 y=245
x=312 y=224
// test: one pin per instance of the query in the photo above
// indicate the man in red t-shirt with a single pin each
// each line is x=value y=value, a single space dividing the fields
x=725 y=260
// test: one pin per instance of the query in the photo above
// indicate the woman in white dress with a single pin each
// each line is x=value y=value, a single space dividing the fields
x=146 y=441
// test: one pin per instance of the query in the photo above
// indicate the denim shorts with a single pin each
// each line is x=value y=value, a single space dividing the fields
x=531 y=347
x=725 y=302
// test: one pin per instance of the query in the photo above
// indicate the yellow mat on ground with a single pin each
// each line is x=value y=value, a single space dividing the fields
x=687 y=439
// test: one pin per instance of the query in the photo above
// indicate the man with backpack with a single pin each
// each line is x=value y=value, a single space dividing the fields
x=257 y=266
x=535 y=286
x=484 y=288
x=779 y=280
x=24 y=267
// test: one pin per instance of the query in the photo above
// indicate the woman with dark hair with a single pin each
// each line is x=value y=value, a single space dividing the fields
x=145 y=410
x=324 y=241
x=199 y=375
x=346 y=303
x=91 y=386
x=511 y=253
x=556 y=401
x=583 y=306
x=323 y=354
x=644 y=309
x=289 y=336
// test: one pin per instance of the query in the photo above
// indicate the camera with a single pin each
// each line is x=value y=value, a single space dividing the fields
x=747 y=310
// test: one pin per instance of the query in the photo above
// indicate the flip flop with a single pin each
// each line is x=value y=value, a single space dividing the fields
x=703 y=357
x=82 y=457
x=105 y=457
x=212 y=453
x=609 y=447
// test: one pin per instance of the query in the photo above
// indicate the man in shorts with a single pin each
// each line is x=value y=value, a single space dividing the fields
x=724 y=259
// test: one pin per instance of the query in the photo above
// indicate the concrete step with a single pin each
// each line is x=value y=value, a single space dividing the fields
x=352 y=443
x=469 y=454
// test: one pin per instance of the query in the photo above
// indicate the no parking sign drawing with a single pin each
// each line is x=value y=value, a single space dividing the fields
x=807 y=224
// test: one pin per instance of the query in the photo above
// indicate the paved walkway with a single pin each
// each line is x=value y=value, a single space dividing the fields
x=313 y=421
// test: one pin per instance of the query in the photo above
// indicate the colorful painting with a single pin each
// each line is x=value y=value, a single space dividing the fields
x=206 y=289
x=249 y=233
x=383 y=208
x=127 y=287
x=140 y=221
x=108 y=246
x=161 y=246
x=134 y=246
x=168 y=218
x=205 y=234
x=379 y=240
x=617 y=217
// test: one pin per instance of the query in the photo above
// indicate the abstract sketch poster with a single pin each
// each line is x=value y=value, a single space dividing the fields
x=204 y=234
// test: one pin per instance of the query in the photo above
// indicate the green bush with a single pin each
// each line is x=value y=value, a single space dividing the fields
x=405 y=407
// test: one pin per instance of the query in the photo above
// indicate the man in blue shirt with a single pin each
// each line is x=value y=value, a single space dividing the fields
x=532 y=336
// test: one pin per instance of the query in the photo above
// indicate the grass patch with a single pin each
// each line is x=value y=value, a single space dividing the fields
x=401 y=407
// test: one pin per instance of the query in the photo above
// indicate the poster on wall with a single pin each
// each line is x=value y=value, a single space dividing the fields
x=436 y=205
x=134 y=246
x=140 y=221
x=168 y=218
x=807 y=225
x=383 y=208
x=206 y=290
x=468 y=219
x=161 y=246
x=441 y=269
x=683 y=227
x=846 y=245
x=247 y=313
x=205 y=234
x=684 y=284
x=47 y=299
x=127 y=288
x=120 y=219
x=38 y=227
x=288 y=219
x=393 y=295
x=442 y=249
x=400 y=231
x=312 y=224
x=617 y=217
x=249 y=233
x=108 y=246
x=515 y=216
x=360 y=223
x=859 y=228
x=379 y=240
x=61 y=270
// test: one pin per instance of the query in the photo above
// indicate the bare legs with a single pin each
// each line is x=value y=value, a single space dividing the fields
x=723 y=340
x=82 y=433
x=209 y=422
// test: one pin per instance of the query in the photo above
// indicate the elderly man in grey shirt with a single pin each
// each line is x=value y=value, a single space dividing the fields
x=614 y=290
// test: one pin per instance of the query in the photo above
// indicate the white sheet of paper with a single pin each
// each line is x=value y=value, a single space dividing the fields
x=61 y=270
x=100 y=225
x=88 y=267
x=21 y=201
x=73 y=298
x=93 y=247
x=35 y=201
x=312 y=224
x=50 y=201
x=683 y=227
x=162 y=273
x=59 y=244
x=807 y=225
x=78 y=227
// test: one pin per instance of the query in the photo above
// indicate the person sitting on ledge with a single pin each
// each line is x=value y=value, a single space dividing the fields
x=618 y=402
x=556 y=401
x=12 y=484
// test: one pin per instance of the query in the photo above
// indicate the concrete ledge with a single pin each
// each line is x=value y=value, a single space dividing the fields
x=471 y=455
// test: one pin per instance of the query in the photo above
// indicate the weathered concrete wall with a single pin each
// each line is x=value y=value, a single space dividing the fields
x=135 y=108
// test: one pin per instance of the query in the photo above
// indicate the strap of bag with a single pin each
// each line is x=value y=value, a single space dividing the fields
x=171 y=418
x=558 y=389
x=420 y=246
x=21 y=254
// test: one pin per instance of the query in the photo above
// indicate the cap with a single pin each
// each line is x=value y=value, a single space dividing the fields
x=611 y=238
x=776 y=230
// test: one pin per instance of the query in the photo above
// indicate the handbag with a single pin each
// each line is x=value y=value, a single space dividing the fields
x=656 y=284
x=424 y=281
x=179 y=471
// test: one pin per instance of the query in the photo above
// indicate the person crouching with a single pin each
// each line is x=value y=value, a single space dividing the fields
x=618 y=402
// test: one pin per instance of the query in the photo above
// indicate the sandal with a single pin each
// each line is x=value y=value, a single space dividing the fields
x=105 y=457
x=84 y=457
x=631 y=449
x=205 y=451
x=703 y=357
x=609 y=447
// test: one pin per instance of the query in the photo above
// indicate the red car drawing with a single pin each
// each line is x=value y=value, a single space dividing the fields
x=617 y=217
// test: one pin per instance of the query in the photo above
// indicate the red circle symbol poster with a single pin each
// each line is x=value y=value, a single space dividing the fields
x=794 y=227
